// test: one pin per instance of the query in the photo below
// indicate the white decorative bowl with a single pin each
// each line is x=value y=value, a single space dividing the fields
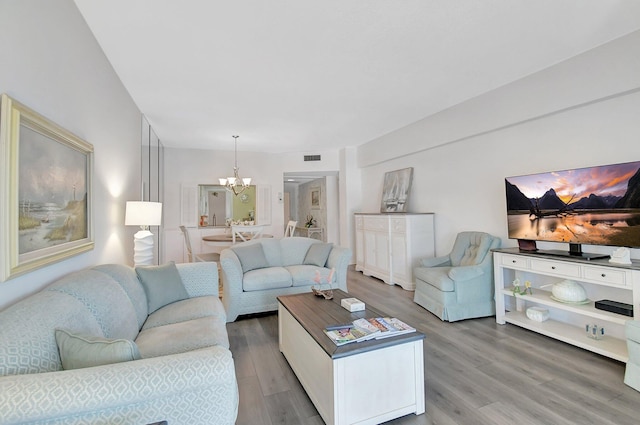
x=568 y=291
x=537 y=314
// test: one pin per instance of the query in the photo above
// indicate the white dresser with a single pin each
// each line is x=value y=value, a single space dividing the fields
x=389 y=246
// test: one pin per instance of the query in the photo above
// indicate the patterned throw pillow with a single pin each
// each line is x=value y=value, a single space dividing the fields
x=78 y=351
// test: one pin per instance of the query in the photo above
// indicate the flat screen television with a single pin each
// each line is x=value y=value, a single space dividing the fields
x=592 y=206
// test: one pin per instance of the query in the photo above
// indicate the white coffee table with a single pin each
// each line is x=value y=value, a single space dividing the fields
x=359 y=383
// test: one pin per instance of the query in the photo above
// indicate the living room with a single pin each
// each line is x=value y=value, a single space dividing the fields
x=579 y=111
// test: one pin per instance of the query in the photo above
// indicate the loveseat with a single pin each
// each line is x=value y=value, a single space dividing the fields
x=108 y=345
x=255 y=272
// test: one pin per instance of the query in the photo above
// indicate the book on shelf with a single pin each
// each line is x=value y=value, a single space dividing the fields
x=365 y=329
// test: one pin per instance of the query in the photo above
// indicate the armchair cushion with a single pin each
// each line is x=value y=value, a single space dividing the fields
x=436 y=276
x=78 y=351
x=162 y=284
x=470 y=248
x=474 y=254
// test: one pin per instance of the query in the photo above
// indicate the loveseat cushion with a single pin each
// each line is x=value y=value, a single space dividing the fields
x=162 y=284
x=268 y=278
x=251 y=257
x=181 y=311
x=272 y=250
x=182 y=337
x=305 y=275
x=294 y=249
x=318 y=254
x=128 y=279
x=435 y=276
x=104 y=298
x=78 y=350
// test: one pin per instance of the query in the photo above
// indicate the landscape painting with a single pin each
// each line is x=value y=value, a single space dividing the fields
x=46 y=198
x=594 y=205
x=395 y=190
x=52 y=194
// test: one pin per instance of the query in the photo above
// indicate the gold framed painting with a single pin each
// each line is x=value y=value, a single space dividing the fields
x=45 y=190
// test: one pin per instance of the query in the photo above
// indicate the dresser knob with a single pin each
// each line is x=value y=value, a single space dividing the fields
x=513 y=261
x=603 y=275
x=553 y=267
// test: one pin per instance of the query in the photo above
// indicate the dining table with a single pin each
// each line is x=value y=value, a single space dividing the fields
x=225 y=239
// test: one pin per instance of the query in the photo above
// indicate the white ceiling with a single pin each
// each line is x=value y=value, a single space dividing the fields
x=304 y=76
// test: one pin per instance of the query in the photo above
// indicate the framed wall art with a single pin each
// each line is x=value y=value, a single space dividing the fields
x=395 y=190
x=45 y=194
x=315 y=197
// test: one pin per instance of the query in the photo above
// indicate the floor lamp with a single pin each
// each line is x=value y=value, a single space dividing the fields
x=143 y=214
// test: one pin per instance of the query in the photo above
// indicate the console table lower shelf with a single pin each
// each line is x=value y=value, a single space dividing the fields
x=367 y=386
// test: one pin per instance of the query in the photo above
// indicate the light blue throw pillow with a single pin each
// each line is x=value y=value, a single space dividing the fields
x=251 y=257
x=162 y=284
x=78 y=351
x=318 y=254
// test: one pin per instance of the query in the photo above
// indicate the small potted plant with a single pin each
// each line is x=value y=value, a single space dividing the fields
x=311 y=222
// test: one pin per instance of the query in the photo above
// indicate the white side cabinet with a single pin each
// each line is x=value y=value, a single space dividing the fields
x=389 y=246
x=567 y=322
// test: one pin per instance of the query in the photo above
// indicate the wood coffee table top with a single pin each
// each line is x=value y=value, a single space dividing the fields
x=315 y=313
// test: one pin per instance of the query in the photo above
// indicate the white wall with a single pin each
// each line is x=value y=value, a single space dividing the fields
x=52 y=64
x=198 y=166
x=581 y=112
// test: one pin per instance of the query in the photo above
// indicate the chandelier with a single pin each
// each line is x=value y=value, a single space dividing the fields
x=235 y=184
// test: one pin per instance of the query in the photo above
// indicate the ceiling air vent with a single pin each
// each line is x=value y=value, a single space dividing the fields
x=312 y=158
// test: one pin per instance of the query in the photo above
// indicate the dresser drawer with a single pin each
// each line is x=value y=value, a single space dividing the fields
x=515 y=261
x=379 y=224
x=557 y=268
x=606 y=275
x=398 y=225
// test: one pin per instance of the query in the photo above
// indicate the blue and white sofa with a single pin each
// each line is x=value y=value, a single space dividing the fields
x=256 y=272
x=104 y=346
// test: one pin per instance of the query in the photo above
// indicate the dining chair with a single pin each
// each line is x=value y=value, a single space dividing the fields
x=203 y=256
x=246 y=232
x=291 y=229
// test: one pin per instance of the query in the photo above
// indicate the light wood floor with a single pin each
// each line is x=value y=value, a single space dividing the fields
x=476 y=372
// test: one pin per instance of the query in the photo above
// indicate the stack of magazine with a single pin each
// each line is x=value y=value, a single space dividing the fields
x=365 y=329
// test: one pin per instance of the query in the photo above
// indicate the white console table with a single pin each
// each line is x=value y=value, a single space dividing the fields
x=601 y=280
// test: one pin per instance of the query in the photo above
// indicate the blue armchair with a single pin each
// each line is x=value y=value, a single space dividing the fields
x=459 y=285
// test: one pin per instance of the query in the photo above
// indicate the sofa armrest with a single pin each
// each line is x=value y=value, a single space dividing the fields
x=232 y=276
x=158 y=388
x=339 y=258
x=199 y=279
x=444 y=260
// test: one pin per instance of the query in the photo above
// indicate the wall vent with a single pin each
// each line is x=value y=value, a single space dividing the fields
x=312 y=158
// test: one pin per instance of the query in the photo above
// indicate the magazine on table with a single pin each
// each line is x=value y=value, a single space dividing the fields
x=394 y=327
x=365 y=329
x=349 y=333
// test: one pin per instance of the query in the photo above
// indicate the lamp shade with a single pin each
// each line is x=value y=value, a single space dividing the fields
x=140 y=213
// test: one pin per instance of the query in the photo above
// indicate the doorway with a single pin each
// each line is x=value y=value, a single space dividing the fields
x=312 y=200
